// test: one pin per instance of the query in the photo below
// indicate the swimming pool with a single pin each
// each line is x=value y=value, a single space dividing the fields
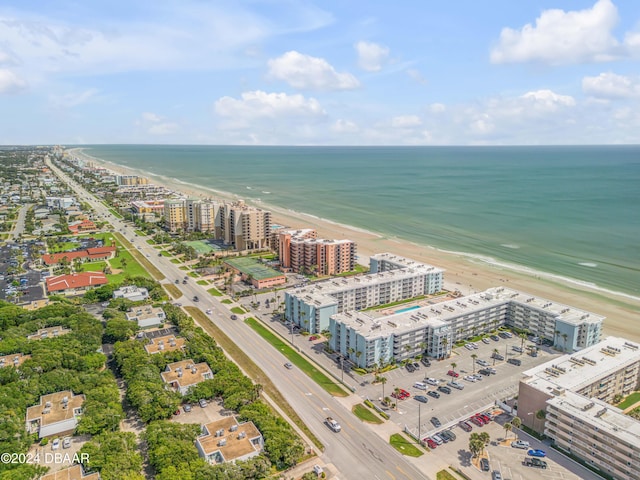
x=407 y=309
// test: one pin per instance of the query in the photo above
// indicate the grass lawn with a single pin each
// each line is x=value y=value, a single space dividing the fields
x=629 y=400
x=183 y=268
x=140 y=233
x=63 y=247
x=194 y=274
x=252 y=370
x=404 y=446
x=364 y=414
x=117 y=215
x=226 y=301
x=164 y=253
x=215 y=292
x=295 y=358
x=173 y=260
x=93 y=266
x=444 y=475
x=202 y=282
x=172 y=289
x=144 y=265
x=150 y=241
x=238 y=310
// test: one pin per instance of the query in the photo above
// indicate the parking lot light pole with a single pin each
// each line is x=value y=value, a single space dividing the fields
x=419 y=422
x=341 y=369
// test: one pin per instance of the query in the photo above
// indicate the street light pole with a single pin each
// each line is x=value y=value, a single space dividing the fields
x=419 y=423
x=341 y=369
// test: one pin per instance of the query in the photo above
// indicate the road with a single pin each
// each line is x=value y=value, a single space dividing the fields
x=356 y=451
x=18 y=228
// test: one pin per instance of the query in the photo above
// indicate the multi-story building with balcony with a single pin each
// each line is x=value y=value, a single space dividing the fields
x=575 y=393
x=245 y=227
x=434 y=328
x=175 y=215
x=311 y=307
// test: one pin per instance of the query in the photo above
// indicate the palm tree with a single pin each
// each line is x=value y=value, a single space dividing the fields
x=517 y=423
x=350 y=351
x=496 y=352
x=474 y=356
x=397 y=392
x=523 y=337
x=383 y=380
x=556 y=333
x=564 y=338
x=445 y=342
x=507 y=428
x=358 y=355
x=453 y=366
x=476 y=446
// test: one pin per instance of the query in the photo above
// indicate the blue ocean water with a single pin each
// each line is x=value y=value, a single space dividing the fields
x=567 y=211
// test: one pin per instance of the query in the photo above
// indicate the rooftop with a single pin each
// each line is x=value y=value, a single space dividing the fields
x=49 y=332
x=72 y=473
x=166 y=343
x=583 y=368
x=13 y=360
x=253 y=267
x=235 y=447
x=186 y=373
x=447 y=311
x=53 y=408
x=75 y=280
x=145 y=312
x=609 y=420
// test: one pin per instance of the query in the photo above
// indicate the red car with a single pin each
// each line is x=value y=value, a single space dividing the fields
x=485 y=417
x=453 y=374
x=312 y=338
x=401 y=394
x=476 y=421
x=465 y=426
x=431 y=443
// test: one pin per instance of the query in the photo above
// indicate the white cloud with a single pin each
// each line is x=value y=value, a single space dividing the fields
x=344 y=126
x=155 y=124
x=546 y=100
x=437 y=107
x=309 y=73
x=71 y=100
x=415 y=75
x=260 y=104
x=406 y=121
x=560 y=37
x=611 y=85
x=10 y=82
x=371 y=56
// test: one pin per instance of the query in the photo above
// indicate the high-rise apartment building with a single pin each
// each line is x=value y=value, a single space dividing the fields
x=300 y=251
x=175 y=215
x=245 y=227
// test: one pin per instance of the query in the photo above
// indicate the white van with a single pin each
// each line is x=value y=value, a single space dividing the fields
x=420 y=386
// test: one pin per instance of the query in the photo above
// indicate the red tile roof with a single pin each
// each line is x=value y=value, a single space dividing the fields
x=75 y=280
x=92 y=253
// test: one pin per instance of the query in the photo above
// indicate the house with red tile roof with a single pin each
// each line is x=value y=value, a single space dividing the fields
x=81 y=226
x=76 y=283
x=89 y=255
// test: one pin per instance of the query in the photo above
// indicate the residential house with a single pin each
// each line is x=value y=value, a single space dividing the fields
x=185 y=374
x=76 y=283
x=226 y=440
x=147 y=316
x=133 y=293
x=56 y=413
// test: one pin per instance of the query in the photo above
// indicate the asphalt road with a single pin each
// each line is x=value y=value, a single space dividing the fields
x=356 y=451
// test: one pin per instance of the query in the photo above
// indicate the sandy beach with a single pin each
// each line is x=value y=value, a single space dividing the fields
x=462 y=273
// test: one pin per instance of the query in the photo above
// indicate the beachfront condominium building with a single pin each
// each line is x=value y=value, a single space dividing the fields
x=300 y=251
x=245 y=227
x=290 y=248
x=131 y=180
x=175 y=215
x=569 y=400
x=435 y=328
x=311 y=307
x=147 y=209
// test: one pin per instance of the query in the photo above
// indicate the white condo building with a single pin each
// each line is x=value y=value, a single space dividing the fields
x=435 y=328
x=575 y=392
x=391 y=278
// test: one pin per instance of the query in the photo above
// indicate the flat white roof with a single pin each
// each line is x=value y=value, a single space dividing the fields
x=581 y=369
x=446 y=312
x=607 y=418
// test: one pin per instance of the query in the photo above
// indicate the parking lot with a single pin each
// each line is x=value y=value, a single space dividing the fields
x=505 y=459
x=20 y=287
x=459 y=404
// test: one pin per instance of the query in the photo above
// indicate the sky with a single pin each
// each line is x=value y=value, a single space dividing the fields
x=297 y=72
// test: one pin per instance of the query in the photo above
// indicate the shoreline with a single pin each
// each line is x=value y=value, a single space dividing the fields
x=463 y=271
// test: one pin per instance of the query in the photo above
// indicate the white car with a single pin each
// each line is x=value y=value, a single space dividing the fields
x=468 y=346
x=521 y=444
x=484 y=363
x=55 y=445
x=470 y=378
x=431 y=381
x=209 y=311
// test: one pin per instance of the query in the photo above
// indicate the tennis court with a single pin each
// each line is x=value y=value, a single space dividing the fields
x=202 y=247
x=253 y=267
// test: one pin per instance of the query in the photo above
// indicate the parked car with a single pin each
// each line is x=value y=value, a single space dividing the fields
x=444 y=389
x=420 y=386
x=497 y=356
x=435 y=422
x=516 y=348
x=496 y=475
x=515 y=361
x=313 y=337
x=503 y=335
x=416 y=365
x=470 y=378
x=425 y=361
x=453 y=374
x=66 y=443
x=485 y=417
x=202 y=402
x=449 y=434
x=317 y=469
x=468 y=346
x=187 y=408
x=521 y=444
x=537 y=453
x=466 y=426
x=431 y=381
x=484 y=465
x=431 y=444
x=438 y=439
x=535 y=462
x=55 y=444
x=421 y=398
x=410 y=367
x=456 y=385
x=482 y=362
x=485 y=372
x=433 y=394
x=485 y=340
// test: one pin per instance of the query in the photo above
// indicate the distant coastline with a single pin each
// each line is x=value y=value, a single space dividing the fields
x=465 y=271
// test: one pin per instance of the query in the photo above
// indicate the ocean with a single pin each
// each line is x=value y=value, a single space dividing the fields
x=568 y=211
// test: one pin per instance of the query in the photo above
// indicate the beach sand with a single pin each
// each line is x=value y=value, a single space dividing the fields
x=462 y=273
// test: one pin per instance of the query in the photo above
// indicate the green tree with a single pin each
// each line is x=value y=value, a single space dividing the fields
x=507 y=428
x=473 y=360
x=454 y=366
x=517 y=423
